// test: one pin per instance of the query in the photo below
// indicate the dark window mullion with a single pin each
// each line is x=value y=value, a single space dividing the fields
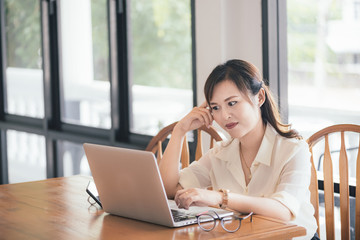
x=21 y=123
x=113 y=57
x=53 y=166
x=192 y=145
x=85 y=131
x=78 y=138
x=4 y=176
x=193 y=51
x=2 y=62
x=45 y=43
x=51 y=76
x=140 y=140
x=122 y=89
x=274 y=34
x=53 y=48
x=19 y=127
x=3 y=148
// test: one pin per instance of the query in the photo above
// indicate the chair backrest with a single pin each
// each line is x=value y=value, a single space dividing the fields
x=329 y=182
x=155 y=145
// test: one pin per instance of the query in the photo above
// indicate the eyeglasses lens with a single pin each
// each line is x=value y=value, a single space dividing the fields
x=206 y=222
x=231 y=223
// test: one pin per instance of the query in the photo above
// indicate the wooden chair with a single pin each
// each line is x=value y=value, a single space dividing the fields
x=329 y=182
x=155 y=145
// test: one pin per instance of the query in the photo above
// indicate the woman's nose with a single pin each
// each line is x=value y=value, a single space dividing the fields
x=226 y=114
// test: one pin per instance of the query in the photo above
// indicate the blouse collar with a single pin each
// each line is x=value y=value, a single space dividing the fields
x=231 y=148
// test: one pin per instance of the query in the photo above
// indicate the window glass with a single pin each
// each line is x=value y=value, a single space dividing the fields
x=324 y=77
x=323 y=63
x=73 y=158
x=24 y=75
x=26 y=156
x=160 y=63
x=85 y=63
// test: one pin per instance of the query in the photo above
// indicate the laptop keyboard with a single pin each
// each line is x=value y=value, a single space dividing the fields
x=180 y=216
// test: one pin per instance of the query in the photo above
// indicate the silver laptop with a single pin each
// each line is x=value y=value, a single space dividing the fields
x=129 y=185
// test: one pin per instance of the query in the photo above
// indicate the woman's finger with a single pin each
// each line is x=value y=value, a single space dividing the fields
x=206 y=114
x=203 y=105
x=180 y=194
x=186 y=200
x=183 y=198
x=198 y=117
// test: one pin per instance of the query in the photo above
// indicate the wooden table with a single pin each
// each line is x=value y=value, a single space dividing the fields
x=58 y=209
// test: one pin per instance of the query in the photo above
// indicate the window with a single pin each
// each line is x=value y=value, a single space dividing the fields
x=324 y=77
x=26 y=154
x=73 y=157
x=160 y=63
x=85 y=63
x=324 y=80
x=23 y=73
x=323 y=63
x=88 y=71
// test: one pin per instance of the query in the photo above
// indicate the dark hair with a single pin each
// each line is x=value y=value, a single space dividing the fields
x=248 y=79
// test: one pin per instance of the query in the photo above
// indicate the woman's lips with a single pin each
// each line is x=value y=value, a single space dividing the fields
x=231 y=125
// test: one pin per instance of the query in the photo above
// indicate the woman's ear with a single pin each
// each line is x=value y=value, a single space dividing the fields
x=261 y=97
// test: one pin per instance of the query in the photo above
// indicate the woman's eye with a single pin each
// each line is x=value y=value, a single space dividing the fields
x=232 y=103
x=215 y=108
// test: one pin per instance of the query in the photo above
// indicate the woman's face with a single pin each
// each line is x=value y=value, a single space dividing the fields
x=233 y=110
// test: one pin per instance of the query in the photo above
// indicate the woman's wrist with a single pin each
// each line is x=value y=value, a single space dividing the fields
x=225 y=198
x=179 y=130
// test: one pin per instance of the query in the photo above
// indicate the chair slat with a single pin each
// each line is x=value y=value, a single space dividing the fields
x=329 y=212
x=357 y=218
x=328 y=191
x=185 y=154
x=314 y=191
x=156 y=143
x=159 y=151
x=199 y=149
x=344 y=190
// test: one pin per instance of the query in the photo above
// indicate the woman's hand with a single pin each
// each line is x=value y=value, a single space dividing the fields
x=198 y=117
x=185 y=198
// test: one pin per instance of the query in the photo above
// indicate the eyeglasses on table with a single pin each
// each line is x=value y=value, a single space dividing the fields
x=207 y=221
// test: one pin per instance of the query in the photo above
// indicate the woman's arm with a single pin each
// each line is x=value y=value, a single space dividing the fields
x=283 y=204
x=169 y=164
x=238 y=202
x=259 y=205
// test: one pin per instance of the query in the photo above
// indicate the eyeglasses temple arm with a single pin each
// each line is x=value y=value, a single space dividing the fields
x=249 y=215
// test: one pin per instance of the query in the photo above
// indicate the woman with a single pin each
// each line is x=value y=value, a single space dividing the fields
x=264 y=168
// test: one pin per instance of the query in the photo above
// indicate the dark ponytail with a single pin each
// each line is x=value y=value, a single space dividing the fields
x=270 y=114
x=248 y=79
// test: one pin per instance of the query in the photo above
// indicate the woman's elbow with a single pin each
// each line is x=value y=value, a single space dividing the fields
x=285 y=215
x=171 y=190
x=170 y=194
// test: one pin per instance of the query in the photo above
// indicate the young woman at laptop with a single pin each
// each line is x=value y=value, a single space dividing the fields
x=263 y=168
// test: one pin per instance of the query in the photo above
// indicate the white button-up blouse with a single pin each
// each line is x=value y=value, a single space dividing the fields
x=281 y=171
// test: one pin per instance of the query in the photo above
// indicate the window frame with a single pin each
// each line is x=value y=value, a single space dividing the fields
x=51 y=126
x=275 y=69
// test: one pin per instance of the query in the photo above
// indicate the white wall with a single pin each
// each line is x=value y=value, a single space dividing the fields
x=226 y=29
